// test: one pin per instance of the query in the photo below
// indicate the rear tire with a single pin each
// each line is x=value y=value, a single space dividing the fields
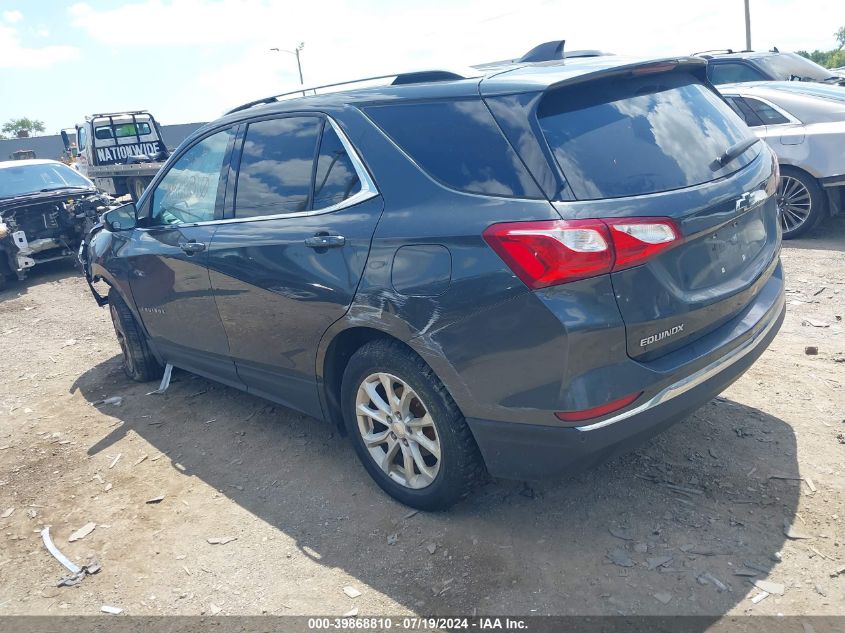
x=801 y=202
x=435 y=470
x=139 y=364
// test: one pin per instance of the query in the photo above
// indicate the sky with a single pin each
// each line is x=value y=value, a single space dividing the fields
x=191 y=60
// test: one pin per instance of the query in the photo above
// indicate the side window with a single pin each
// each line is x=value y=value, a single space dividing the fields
x=767 y=113
x=458 y=143
x=276 y=166
x=188 y=192
x=726 y=73
x=742 y=109
x=336 y=178
x=81 y=141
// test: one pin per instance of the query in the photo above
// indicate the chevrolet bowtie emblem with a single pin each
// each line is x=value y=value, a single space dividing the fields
x=744 y=201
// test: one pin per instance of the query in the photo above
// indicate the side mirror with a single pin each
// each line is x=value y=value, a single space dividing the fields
x=122 y=218
x=65 y=140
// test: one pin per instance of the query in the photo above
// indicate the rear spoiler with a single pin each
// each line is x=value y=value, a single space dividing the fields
x=543 y=78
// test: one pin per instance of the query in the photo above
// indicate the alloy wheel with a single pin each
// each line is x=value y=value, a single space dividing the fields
x=398 y=430
x=794 y=203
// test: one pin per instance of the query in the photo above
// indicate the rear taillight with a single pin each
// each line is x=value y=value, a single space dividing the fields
x=552 y=252
x=637 y=240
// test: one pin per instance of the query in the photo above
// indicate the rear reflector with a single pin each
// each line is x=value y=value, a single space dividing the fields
x=595 y=412
x=552 y=252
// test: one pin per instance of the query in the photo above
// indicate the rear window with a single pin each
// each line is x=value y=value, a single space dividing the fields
x=122 y=130
x=459 y=144
x=626 y=137
x=732 y=73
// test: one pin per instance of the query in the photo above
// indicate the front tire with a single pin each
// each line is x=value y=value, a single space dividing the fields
x=801 y=202
x=139 y=364
x=408 y=432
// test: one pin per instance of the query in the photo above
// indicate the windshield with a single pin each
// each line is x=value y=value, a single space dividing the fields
x=790 y=66
x=20 y=180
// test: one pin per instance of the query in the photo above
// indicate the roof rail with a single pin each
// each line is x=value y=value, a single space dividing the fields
x=398 y=79
x=729 y=51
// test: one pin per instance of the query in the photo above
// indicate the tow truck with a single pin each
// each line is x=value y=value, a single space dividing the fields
x=120 y=152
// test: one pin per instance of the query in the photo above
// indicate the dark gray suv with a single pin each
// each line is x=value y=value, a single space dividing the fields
x=517 y=273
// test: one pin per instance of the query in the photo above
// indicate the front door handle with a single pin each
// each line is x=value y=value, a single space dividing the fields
x=324 y=240
x=192 y=247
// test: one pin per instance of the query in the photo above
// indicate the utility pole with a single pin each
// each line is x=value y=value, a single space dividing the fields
x=747 y=26
x=295 y=52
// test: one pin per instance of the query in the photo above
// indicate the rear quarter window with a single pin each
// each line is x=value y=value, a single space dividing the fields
x=767 y=113
x=626 y=137
x=458 y=143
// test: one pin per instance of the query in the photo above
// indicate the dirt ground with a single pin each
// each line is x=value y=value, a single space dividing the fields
x=683 y=525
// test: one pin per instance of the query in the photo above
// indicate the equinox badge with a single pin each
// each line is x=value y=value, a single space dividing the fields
x=661 y=335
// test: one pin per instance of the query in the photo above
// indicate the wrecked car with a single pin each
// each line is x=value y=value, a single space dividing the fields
x=46 y=209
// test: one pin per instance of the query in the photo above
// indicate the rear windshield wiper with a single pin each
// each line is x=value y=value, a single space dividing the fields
x=735 y=150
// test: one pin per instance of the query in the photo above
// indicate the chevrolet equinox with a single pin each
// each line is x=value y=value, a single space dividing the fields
x=517 y=273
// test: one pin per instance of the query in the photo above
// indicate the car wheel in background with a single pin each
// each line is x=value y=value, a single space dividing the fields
x=136 y=188
x=801 y=202
x=138 y=361
x=407 y=430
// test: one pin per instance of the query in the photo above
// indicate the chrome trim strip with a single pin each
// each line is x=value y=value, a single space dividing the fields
x=833 y=181
x=693 y=380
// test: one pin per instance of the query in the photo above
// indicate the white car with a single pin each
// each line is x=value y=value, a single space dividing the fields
x=804 y=123
x=46 y=210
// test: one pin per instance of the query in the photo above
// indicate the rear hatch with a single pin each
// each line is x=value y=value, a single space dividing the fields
x=647 y=143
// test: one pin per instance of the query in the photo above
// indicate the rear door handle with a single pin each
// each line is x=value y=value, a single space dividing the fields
x=192 y=247
x=323 y=240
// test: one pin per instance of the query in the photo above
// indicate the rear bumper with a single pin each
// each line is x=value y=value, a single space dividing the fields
x=527 y=451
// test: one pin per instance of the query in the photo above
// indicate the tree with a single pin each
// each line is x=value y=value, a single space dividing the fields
x=21 y=128
x=833 y=58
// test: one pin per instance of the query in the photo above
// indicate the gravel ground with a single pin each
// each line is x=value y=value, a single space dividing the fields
x=684 y=525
